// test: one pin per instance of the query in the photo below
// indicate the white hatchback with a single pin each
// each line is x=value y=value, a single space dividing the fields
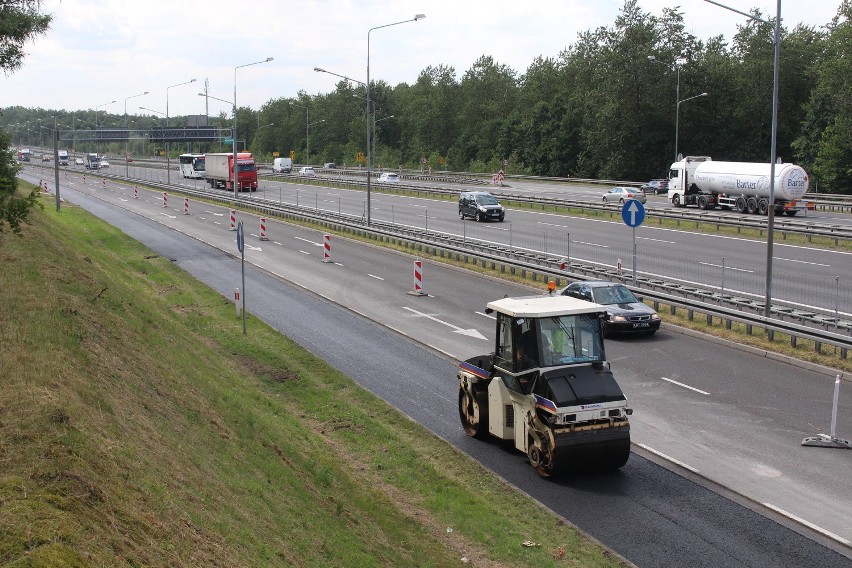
x=307 y=171
x=389 y=177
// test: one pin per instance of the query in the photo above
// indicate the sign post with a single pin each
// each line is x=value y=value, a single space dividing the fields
x=633 y=213
x=241 y=246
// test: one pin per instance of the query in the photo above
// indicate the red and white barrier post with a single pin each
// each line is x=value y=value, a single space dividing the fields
x=103 y=183
x=233 y=220
x=418 y=279
x=619 y=266
x=186 y=205
x=165 y=199
x=238 y=301
x=263 y=236
x=326 y=249
x=135 y=192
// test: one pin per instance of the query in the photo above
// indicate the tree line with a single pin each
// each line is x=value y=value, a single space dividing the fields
x=605 y=107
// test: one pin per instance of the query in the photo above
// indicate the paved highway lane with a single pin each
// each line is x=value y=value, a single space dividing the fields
x=645 y=512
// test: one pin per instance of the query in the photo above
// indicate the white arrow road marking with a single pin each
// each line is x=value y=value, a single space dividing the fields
x=468 y=332
x=252 y=248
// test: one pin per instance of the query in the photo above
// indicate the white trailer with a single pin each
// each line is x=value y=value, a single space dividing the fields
x=743 y=186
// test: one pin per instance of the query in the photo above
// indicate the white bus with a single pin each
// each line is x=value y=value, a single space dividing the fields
x=192 y=166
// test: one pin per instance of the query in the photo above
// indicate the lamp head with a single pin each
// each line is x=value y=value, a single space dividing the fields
x=419 y=17
x=319 y=70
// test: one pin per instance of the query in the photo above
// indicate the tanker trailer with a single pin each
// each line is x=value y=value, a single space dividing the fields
x=743 y=186
x=547 y=387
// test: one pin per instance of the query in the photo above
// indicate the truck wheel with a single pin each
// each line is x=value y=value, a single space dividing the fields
x=702 y=202
x=676 y=200
x=790 y=213
x=751 y=205
x=741 y=205
x=473 y=411
x=538 y=458
x=763 y=207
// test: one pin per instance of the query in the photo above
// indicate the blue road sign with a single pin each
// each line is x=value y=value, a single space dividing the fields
x=240 y=239
x=633 y=213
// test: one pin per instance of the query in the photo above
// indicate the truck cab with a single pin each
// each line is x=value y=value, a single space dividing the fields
x=682 y=189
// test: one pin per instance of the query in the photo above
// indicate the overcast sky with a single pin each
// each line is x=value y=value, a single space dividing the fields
x=103 y=50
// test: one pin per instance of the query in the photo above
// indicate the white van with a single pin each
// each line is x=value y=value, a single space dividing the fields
x=282 y=165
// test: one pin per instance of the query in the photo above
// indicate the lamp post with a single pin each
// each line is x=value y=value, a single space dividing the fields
x=307 y=132
x=168 y=153
x=369 y=153
x=677 y=118
x=375 y=132
x=236 y=168
x=126 y=165
x=770 y=222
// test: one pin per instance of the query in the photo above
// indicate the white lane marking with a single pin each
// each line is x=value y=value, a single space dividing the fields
x=214 y=213
x=216 y=223
x=801 y=261
x=169 y=216
x=456 y=329
x=304 y=252
x=279 y=244
x=657 y=240
x=667 y=458
x=553 y=225
x=807 y=524
x=727 y=267
x=374 y=276
x=685 y=386
x=316 y=244
x=592 y=244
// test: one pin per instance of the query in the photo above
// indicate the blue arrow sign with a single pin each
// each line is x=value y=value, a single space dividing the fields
x=633 y=213
x=240 y=240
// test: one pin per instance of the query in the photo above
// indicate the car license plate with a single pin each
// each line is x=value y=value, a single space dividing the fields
x=641 y=324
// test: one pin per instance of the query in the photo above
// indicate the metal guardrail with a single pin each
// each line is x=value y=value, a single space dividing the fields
x=822 y=329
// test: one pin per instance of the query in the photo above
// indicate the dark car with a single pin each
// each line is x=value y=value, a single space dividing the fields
x=481 y=206
x=656 y=186
x=625 y=312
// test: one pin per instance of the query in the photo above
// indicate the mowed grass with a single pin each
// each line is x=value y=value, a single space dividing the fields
x=140 y=427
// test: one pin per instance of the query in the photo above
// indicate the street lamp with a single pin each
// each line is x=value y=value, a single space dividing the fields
x=236 y=179
x=770 y=222
x=307 y=131
x=168 y=153
x=677 y=118
x=229 y=103
x=126 y=133
x=369 y=153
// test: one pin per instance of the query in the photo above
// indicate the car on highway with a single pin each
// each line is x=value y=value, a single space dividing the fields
x=103 y=163
x=388 y=177
x=656 y=186
x=45 y=158
x=329 y=165
x=625 y=313
x=79 y=162
x=622 y=194
x=481 y=206
x=307 y=171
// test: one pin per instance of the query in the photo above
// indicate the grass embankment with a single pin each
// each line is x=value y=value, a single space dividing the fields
x=138 y=426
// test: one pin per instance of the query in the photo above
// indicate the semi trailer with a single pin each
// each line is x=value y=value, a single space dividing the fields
x=742 y=186
x=547 y=387
x=219 y=170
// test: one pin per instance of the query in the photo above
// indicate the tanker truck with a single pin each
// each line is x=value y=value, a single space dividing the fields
x=743 y=186
x=547 y=388
x=220 y=171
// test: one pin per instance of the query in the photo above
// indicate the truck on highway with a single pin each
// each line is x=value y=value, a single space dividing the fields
x=93 y=161
x=63 y=157
x=220 y=171
x=547 y=387
x=743 y=186
x=24 y=155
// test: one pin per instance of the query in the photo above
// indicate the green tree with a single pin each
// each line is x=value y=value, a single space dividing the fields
x=20 y=22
